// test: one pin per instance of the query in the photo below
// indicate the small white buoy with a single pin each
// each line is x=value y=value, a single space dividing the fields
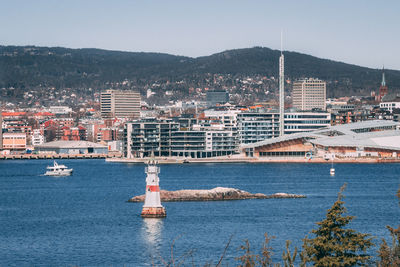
x=332 y=171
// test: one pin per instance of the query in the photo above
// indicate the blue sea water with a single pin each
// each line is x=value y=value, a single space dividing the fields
x=84 y=219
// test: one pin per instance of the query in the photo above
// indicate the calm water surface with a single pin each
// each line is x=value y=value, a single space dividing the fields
x=85 y=220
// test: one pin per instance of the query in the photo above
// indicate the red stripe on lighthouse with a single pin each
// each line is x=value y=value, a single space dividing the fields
x=153 y=188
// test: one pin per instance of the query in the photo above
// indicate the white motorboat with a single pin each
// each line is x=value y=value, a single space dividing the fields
x=332 y=170
x=58 y=170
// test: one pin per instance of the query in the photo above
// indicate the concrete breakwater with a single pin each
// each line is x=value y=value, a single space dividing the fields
x=215 y=194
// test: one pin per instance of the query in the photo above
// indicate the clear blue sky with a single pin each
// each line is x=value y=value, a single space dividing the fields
x=362 y=32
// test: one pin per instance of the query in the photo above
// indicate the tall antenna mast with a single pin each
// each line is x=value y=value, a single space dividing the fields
x=281 y=91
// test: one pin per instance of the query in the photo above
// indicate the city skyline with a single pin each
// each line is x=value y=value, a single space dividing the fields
x=349 y=32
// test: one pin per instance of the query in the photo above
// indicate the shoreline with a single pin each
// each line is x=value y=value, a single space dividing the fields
x=54 y=156
x=214 y=194
x=181 y=160
x=162 y=160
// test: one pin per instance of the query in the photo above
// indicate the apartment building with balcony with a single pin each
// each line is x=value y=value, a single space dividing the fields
x=167 y=138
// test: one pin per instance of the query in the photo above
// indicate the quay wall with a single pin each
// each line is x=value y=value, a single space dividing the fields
x=163 y=160
x=54 y=156
x=224 y=159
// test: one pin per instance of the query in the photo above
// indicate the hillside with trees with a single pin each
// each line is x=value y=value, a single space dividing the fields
x=26 y=68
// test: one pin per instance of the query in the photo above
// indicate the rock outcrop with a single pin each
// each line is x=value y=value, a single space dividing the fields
x=215 y=194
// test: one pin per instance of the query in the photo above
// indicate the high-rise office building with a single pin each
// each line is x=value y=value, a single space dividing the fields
x=309 y=94
x=118 y=103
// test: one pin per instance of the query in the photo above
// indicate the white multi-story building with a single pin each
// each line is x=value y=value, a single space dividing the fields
x=37 y=138
x=258 y=126
x=60 y=110
x=309 y=94
x=225 y=118
x=118 y=103
x=390 y=104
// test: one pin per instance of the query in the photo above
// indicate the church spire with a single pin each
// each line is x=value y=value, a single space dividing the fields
x=383 y=76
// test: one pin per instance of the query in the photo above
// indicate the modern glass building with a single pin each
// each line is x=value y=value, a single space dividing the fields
x=256 y=126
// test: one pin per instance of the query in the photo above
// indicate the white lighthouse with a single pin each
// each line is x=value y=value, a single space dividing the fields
x=152 y=207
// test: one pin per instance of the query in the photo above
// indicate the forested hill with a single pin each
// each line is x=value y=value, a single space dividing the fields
x=25 y=67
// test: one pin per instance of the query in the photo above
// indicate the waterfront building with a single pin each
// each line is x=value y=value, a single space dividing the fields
x=165 y=138
x=37 y=138
x=217 y=97
x=143 y=137
x=73 y=133
x=257 y=126
x=298 y=122
x=14 y=141
x=107 y=134
x=309 y=94
x=92 y=128
x=188 y=143
x=53 y=129
x=115 y=146
x=377 y=138
x=121 y=104
x=217 y=135
x=186 y=122
x=102 y=130
x=71 y=147
x=227 y=119
x=203 y=143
